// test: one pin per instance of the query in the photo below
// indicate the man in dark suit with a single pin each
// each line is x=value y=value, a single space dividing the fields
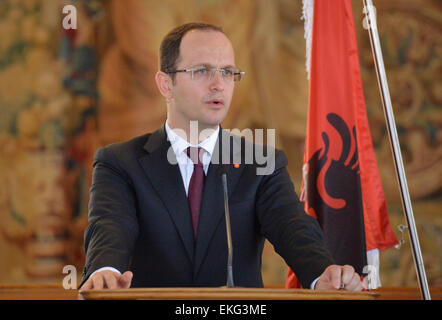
x=156 y=214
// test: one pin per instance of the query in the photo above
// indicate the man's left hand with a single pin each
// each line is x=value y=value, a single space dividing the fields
x=339 y=277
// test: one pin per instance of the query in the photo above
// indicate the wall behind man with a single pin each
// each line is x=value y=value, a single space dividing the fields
x=64 y=93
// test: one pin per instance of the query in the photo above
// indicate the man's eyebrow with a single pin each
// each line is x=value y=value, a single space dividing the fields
x=212 y=66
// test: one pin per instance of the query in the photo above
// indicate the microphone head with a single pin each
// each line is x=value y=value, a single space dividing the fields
x=223 y=169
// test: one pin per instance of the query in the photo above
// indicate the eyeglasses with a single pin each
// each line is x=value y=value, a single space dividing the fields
x=207 y=73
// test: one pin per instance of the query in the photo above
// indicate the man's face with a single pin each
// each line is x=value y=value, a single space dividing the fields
x=196 y=99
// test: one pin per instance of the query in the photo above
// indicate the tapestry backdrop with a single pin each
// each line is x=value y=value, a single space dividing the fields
x=64 y=93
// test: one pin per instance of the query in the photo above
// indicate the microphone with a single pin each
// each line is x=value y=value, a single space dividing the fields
x=223 y=170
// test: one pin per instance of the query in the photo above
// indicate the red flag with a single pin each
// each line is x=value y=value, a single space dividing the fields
x=341 y=185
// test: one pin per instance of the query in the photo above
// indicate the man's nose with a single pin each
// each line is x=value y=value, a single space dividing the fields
x=216 y=81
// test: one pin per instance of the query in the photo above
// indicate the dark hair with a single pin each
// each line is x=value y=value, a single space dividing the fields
x=170 y=46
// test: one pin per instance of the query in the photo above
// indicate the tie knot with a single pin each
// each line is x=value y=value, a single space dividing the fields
x=196 y=155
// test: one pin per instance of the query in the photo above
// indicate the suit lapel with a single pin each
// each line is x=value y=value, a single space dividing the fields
x=212 y=207
x=167 y=181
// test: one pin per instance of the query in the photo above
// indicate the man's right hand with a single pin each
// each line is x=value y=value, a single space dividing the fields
x=107 y=279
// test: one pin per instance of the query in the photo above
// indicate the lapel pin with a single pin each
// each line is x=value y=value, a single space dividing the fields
x=236 y=165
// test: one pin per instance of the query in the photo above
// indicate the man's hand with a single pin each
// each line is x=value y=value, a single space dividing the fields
x=334 y=276
x=108 y=279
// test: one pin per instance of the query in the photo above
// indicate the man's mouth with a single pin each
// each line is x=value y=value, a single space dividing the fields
x=216 y=102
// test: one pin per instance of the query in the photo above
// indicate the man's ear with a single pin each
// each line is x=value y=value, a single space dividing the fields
x=164 y=84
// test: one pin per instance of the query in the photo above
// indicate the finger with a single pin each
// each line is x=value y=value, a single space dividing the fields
x=355 y=284
x=110 y=280
x=97 y=280
x=125 y=279
x=335 y=276
x=347 y=274
x=87 y=285
x=323 y=282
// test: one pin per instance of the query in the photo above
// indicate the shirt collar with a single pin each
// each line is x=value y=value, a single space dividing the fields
x=179 y=145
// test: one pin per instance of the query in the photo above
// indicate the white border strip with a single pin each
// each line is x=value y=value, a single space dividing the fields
x=307 y=16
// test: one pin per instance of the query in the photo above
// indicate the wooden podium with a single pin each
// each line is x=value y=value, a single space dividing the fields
x=56 y=292
x=223 y=294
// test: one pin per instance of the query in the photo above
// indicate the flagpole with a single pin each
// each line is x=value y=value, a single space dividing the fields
x=395 y=146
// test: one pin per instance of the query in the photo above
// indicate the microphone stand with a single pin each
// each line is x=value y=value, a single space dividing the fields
x=224 y=170
x=395 y=146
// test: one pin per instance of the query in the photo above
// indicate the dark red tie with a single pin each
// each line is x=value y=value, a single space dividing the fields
x=195 y=192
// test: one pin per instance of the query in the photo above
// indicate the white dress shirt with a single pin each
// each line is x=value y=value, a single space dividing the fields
x=179 y=146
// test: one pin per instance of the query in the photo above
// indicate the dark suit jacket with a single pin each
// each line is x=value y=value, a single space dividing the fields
x=139 y=219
